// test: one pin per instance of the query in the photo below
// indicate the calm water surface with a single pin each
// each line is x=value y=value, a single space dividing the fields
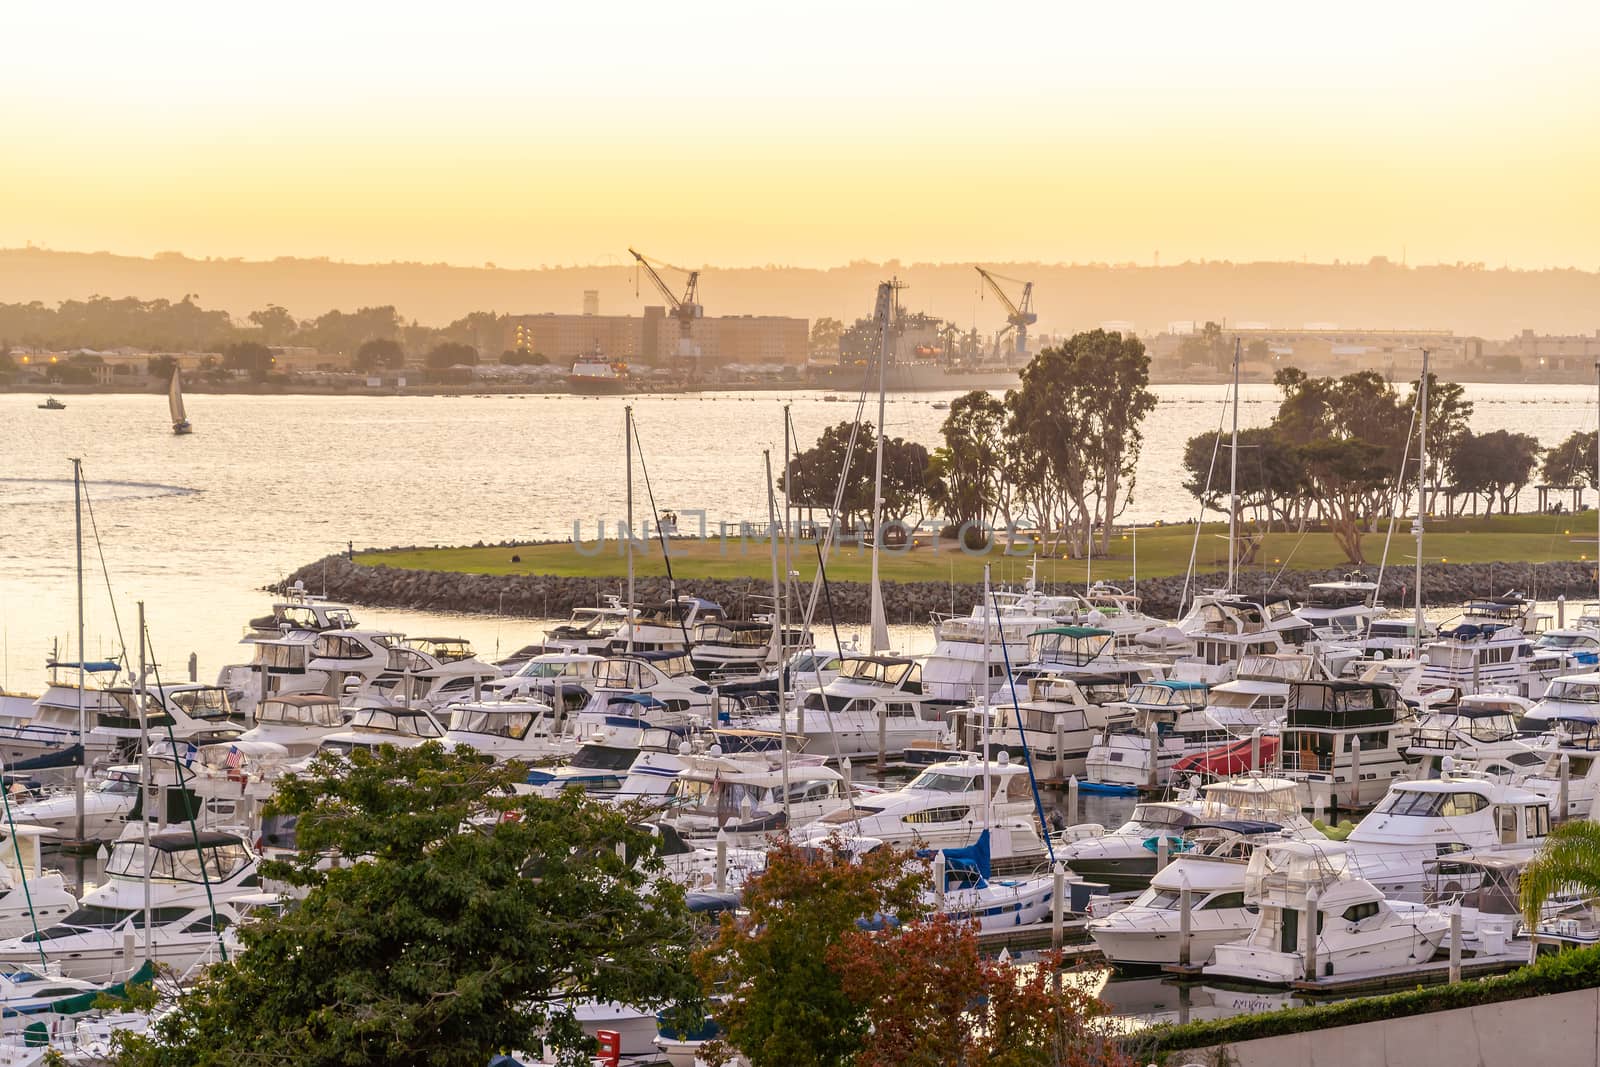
x=195 y=525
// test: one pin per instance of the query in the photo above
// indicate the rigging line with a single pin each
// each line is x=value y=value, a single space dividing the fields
x=1194 y=549
x=1394 y=499
x=827 y=591
x=1027 y=757
x=22 y=870
x=661 y=535
x=101 y=552
x=191 y=799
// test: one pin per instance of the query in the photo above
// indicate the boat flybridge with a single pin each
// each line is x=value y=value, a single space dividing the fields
x=428 y=672
x=1315 y=910
x=1147 y=720
x=970 y=652
x=1053 y=724
x=589 y=630
x=192 y=875
x=189 y=711
x=563 y=678
x=665 y=627
x=374 y=727
x=300 y=610
x=1342 y=610
x=726 y=648
x=1343 y=741
x=658 y=686
x=296 y=721
x=876 y=704
x=946 y=806
x=1125 y=858
x=1482 y=728
x=1491 y=647
x=520 y=728
x=742 y=797
x=330 y=662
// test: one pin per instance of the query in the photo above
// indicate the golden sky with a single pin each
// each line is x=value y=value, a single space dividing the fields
x=750 y=133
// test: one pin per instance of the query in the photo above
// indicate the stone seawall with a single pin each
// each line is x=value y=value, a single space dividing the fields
x=544 y=596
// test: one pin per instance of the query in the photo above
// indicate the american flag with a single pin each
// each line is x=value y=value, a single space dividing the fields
x=234 y=758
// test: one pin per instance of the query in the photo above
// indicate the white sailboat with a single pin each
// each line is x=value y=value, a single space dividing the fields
x=180 y=421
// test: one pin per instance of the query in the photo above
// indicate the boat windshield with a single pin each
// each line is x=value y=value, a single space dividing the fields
x=536 y=668
x=95 y=917
x=128 y=860
x=208 y=703
x=603 y=758
x=1430 y=804
x=512 y=724
x=118 y=785
x=1160 y=815
x=395 y=722
x=945 y=782
x=885 y=672
x=298 y=713
x=1569 y=692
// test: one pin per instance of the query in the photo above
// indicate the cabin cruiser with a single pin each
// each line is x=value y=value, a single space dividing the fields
x=50 y=734
x=970 y=652
x=1393 y=636
x=947 y=806
x=564 y=677
x=29 y=893
x=1568 y=748
x=1330 y=727
x=1489 y=647
x=299 y=610
x=1342 y=610
x=1147 y=720
x=971 y=892
x=428 y=672
x=109 y=800
x=192 y=876
x=621 y=762
x=665 y=627
x=296 y=721
x=1111 y=608
x=659 y=686
x=875 y=699
x=725 y=648
x=1481 y=727
x=371 y=728
x=1271 y=621
x=1210 y=865
x=1420 y=821
x=1581 y=643
x=1125 y=859
x=331 y=662
x=520 y=728
x=1053 y=725
x=589 y=631
x=742 y=797
x=187 y=711
x=1356 y=929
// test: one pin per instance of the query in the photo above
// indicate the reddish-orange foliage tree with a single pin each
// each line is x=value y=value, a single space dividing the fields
x=931 y=999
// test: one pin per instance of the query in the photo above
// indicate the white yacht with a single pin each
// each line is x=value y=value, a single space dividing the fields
x=970 y=652
x=1490 y=647
x=188 y=711
x=873 y=698
x=1121 y=756
x=1317 y=743
x=371 y=728
x=109 y=799
x=428 y=672
x=725 y=648
x=619 y=761
x=1125 y=859
x=330 y=662
x=1054 y=724
x=1357 y=930
x=29 y=893
x=743 y=797
x=50 y=733
x=553 y=677
x=296 y=721
x=1342 y=610
x=665 y=627
x=659 y=686
x=192 y=875
x=589 y=630
x=516 y=729
x=947 y=806
x=972 y=894
x=300 y=610
x=1482 y=728
x=1393 y=636
x=1420 y=821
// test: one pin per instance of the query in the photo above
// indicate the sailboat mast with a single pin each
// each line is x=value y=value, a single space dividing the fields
x=885 y=311
x=144 y=782
x=1597 y=482
x=991 y=618
x=777 y=638
x=83 y=732
x=1233 y=474
x=627 y=447
x=1422 y=499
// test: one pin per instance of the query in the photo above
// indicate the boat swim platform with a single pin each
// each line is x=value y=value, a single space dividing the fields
x=1434 y=972
x=1076 y=944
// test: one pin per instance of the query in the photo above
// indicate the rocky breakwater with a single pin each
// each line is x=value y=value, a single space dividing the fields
x=547 y=596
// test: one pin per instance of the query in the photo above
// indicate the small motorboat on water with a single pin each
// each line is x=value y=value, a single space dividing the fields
x=52 y=404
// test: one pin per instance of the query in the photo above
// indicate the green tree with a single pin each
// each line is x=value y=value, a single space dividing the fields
x=1346 y=471
x=1572 y=462
x=449 y=354
x=276 y=324
x=967 y=476
x=1207 y=347
x=1272 y=476
x=1449 y=416
x=379 y=353
x=786 y=1005
x=1496 y=464
x=160 y=367
x=251 y=356
x=473 y=920
x=1570 y=859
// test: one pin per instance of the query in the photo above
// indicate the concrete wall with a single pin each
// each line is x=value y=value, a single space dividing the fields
x=1562 y=1029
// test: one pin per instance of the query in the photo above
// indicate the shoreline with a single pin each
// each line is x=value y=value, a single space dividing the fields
x=554 y=596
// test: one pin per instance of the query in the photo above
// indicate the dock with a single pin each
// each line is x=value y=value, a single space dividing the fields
x=1434 y=972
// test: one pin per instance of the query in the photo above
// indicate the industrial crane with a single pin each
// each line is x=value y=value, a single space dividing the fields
x=1019 y=316
x=685 y=308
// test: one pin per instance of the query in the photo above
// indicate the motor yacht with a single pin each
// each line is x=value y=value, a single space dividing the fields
x=660 y=682
x=46 y=741
x=371 y=728
x=186 y=711
x=742 y=797
x=970 y=652
x=1341 y=610
x=589 y=630
x=29 y=893
x=1356 y=931
x=1053 y=724
x=299 y=610
x=520 y=728
x=329 y=662
x=427 y=672
x=730 y=648
x=1125 y=859
x=1481 y=728
x=192 y=876
x=621 y=761
x=296 y=721
x=1330 y=727
x=1147 y=723
x=552 y=677
x=665 y=627
x=972 y=893
x=109 y=799
x=1489 y=646
x=874 y=705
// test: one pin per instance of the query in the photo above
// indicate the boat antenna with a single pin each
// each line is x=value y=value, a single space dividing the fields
x=778 y=635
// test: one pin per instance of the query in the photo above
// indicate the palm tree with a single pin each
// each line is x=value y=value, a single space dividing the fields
x=1570 y=858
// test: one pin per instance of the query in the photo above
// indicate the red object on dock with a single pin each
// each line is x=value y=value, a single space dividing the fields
x=610 y=1050
x=1232 y=758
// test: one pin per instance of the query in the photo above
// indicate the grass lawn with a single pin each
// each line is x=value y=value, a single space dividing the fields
x=1162 y=551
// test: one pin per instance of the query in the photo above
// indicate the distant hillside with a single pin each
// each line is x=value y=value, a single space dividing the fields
x=1466 y=299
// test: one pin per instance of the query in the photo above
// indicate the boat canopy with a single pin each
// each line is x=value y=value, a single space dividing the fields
x=1341 y=705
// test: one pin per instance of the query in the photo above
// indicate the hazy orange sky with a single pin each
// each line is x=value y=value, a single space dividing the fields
x=812 y=134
